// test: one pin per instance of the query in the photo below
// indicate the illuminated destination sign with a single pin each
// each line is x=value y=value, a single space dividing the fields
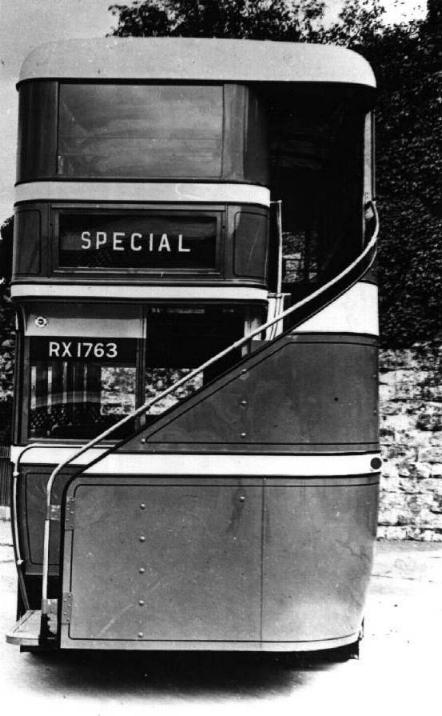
x=143 y=241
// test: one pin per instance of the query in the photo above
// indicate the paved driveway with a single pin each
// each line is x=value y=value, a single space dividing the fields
x=399 y=671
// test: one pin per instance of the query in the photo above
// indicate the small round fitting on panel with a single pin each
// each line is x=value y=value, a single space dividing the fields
x=41 y=322
x=375 y=463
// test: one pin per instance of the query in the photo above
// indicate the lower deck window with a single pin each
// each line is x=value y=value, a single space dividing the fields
x=179 y=339
x=80 y=387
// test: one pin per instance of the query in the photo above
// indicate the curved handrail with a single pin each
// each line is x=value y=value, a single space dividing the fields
x=234 y=346
x=15 y=536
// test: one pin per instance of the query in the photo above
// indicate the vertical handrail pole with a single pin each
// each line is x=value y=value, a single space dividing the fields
x=280 y=248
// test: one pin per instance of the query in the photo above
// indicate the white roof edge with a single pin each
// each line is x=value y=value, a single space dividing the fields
x=206 y=59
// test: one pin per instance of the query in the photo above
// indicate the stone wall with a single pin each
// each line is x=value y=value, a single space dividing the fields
x=411 y=438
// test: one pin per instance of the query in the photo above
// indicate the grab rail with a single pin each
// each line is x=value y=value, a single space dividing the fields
x=143 y=408
x=19 y=561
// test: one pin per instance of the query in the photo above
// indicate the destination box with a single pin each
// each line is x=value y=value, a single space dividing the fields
x=142 y=241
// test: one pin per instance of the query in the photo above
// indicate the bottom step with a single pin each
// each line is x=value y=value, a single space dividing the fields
x=26 y=631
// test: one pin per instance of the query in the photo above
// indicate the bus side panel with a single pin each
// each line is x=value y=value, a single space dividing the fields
x=149 y=559
x=318 y=549
x=319 y=393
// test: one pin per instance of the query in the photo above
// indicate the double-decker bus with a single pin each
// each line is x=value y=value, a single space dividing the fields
x=196 y=458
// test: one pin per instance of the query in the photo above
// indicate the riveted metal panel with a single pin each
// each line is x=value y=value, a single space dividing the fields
x=318 y=549
x=175 y=561
x=312 y=392
x=166 y=563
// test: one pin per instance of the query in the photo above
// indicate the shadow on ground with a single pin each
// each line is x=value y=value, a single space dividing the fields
x=168 y=675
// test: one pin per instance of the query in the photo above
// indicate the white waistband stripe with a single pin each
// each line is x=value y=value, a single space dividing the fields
x=142 y=192
x=356 y=311
x=211 y=465
x=220 y=293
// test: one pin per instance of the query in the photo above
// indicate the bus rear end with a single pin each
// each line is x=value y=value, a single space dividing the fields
x=196 y=450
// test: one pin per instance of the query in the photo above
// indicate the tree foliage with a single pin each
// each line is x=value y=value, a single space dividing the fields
x=252 y=19
x=408 y=63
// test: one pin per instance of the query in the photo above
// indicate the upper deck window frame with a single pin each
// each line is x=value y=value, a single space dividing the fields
x=38 y=146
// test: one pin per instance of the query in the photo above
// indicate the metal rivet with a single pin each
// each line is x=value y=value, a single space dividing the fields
x=140 y=634
x=243 y=402
x=244 y=370
x=142 y=538
x=141 y=603
x=242 y=498
x=143 y=440
x=142 y=506
x=243 y=435
x=141 y=570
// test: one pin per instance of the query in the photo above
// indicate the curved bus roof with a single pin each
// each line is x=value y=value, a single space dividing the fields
x=202 y=59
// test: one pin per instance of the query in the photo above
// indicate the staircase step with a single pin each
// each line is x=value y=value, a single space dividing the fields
x=26 y=631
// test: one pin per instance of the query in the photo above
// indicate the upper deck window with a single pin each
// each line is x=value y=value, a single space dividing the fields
x=140 y=130
x=317 y=156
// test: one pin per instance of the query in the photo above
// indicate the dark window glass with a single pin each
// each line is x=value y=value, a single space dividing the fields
x=317 y=170
x=256 y=155
x=80 y=386
x=250 y=244
x=140 y=130
x=180 y=339
x=36 y=151
x=27 y=242
x=144 y=241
